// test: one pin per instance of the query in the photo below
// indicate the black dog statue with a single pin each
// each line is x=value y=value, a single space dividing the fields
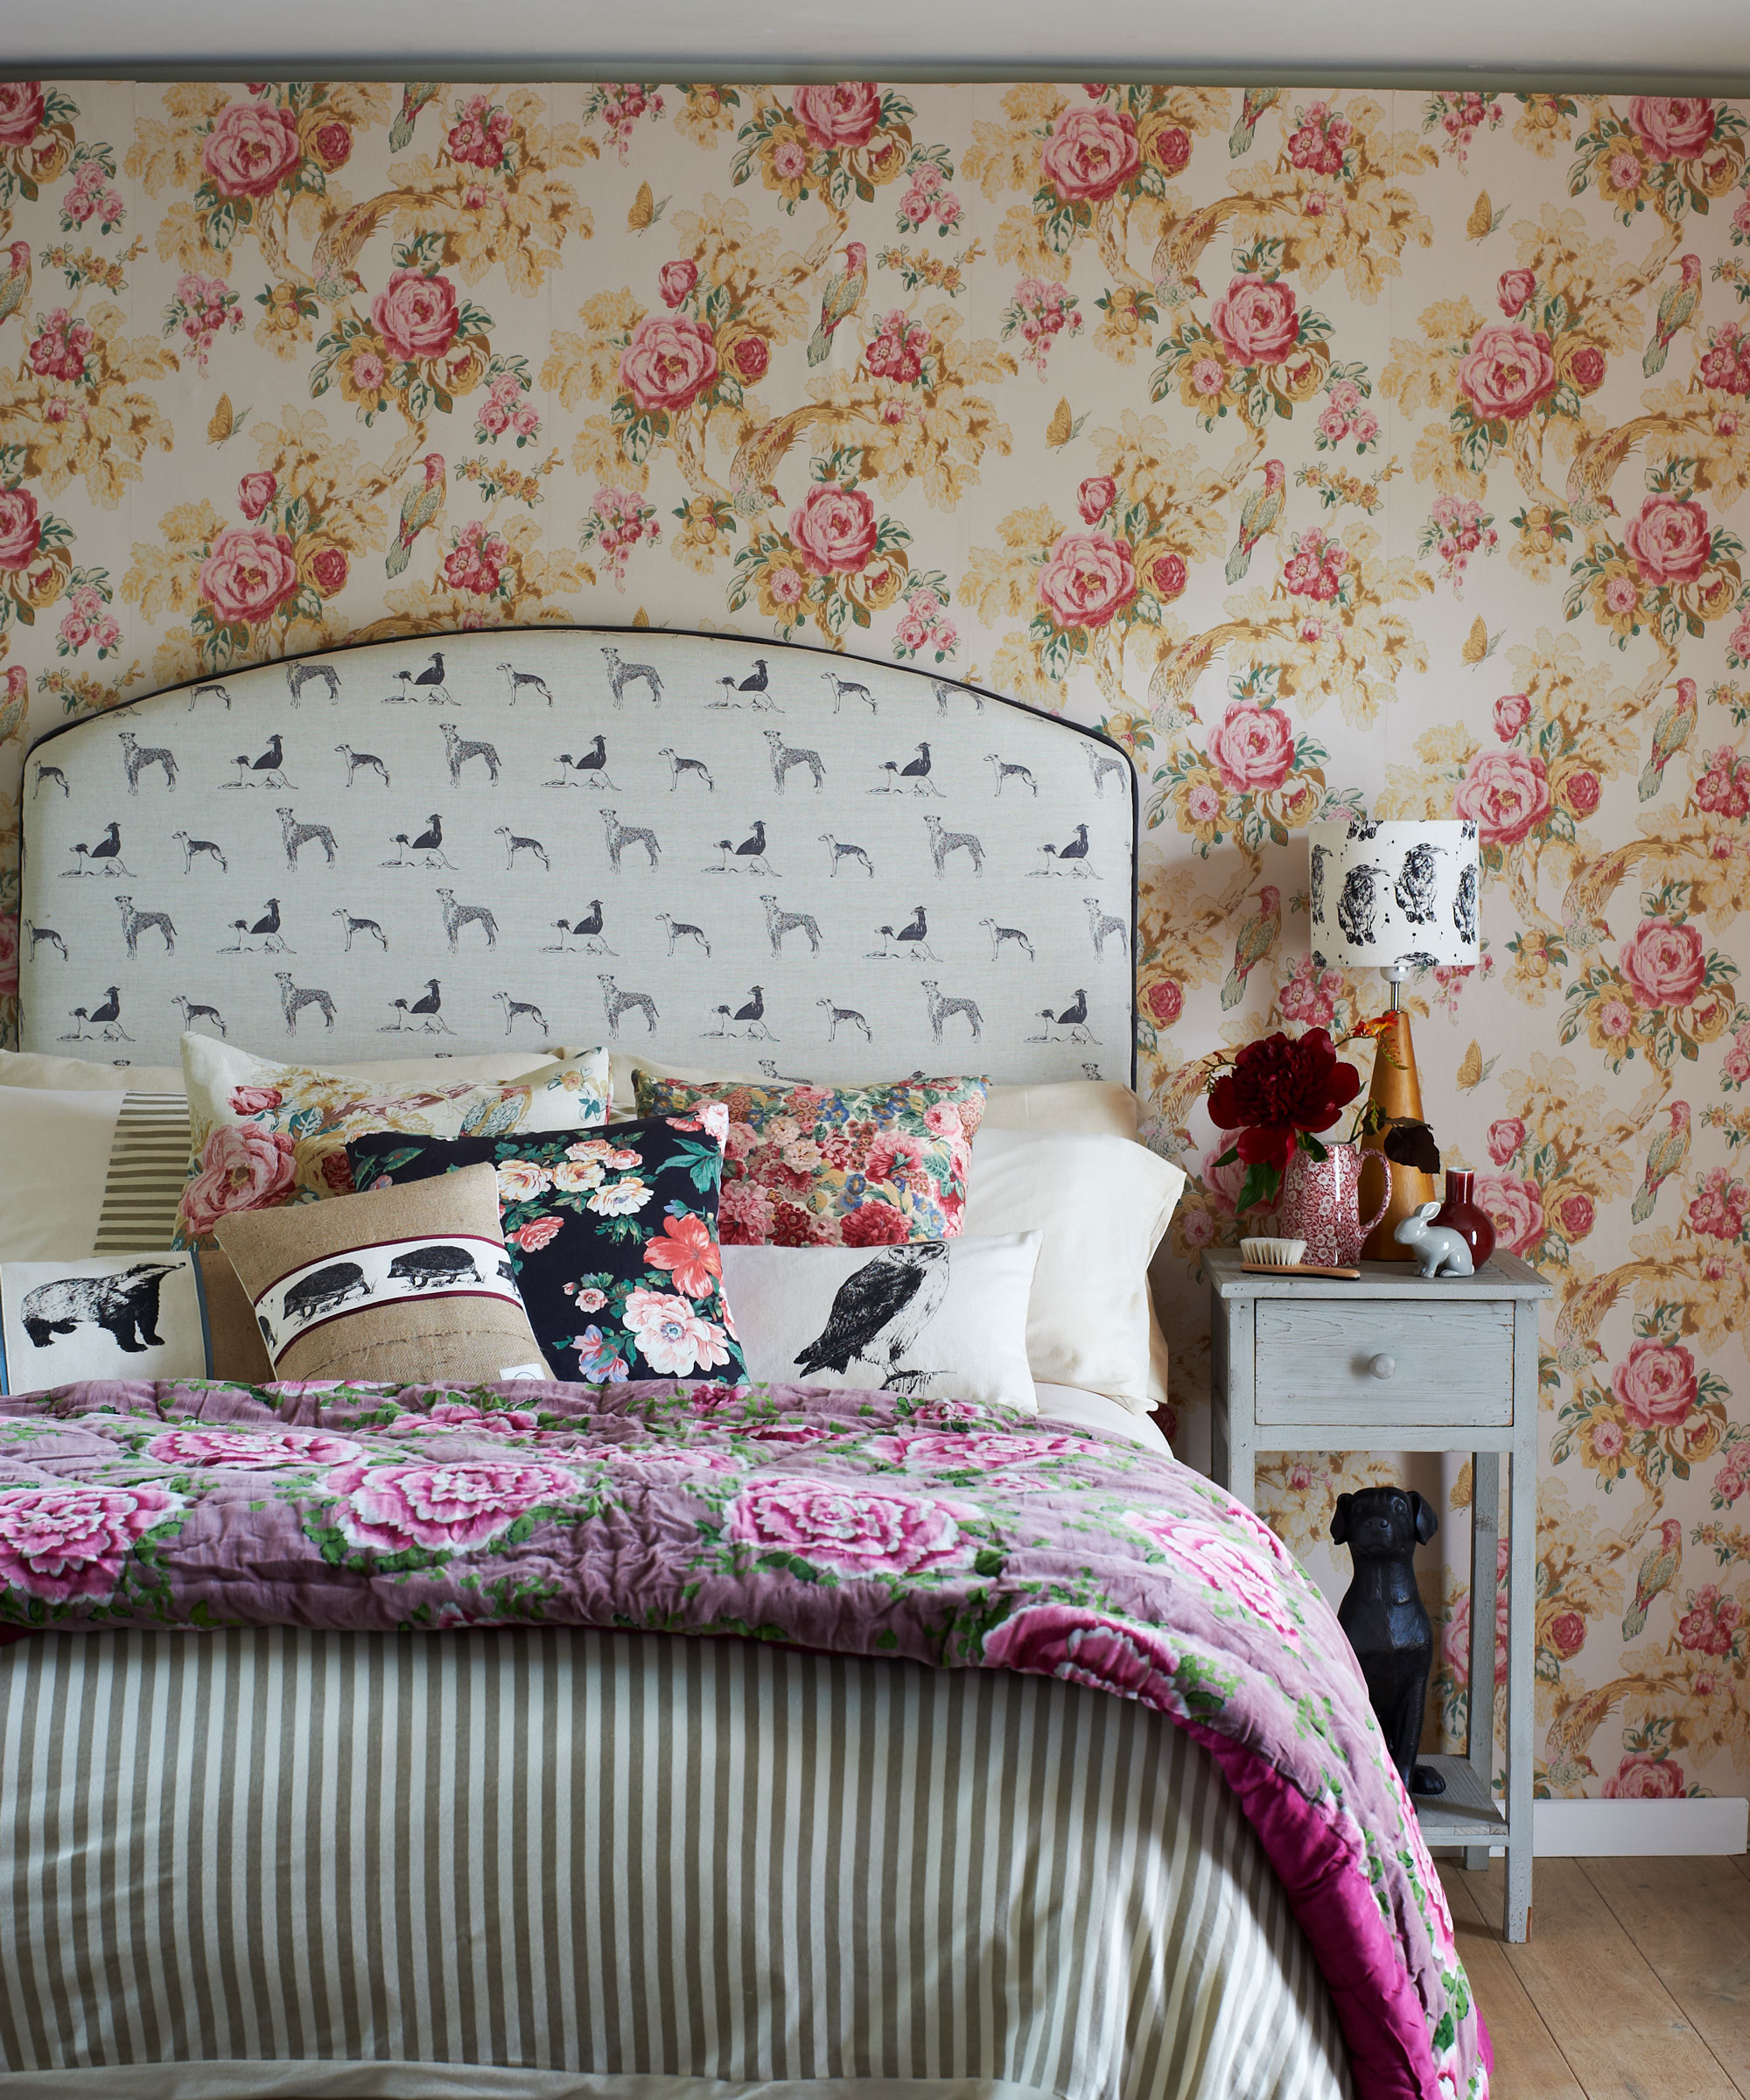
x=1382 y=1615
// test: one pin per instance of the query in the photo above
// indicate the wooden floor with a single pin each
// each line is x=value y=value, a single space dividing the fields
x=1634 y=1985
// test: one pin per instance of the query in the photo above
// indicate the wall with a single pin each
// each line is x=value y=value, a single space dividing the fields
x=1333 y=451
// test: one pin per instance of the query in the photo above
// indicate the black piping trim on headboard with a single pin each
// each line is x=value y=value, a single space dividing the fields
x=803 y=648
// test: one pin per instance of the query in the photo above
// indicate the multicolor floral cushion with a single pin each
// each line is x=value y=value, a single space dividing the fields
x=613 y=1239
x=265 y=1134
x=837 y=1167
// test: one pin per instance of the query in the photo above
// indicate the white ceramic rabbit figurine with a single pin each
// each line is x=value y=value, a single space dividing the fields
x=1437 y=1248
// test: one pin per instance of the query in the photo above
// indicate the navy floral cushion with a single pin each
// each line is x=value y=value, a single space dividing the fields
x=613 y=1237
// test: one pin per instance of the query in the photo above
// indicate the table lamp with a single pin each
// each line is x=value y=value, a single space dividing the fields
x=1395 y=896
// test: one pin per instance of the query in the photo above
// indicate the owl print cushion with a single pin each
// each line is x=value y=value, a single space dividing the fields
x=837 y=1167
x=613 y=1238
x=264 y=1134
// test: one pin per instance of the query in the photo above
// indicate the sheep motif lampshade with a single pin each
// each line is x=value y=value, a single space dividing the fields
x=1396 y=895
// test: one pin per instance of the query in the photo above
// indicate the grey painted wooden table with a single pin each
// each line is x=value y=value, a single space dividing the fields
x=1393 y=1363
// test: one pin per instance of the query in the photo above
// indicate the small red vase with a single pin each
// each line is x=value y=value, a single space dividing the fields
x=1461 y=1211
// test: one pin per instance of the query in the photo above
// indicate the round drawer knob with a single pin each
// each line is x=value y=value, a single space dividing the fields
x=1383 y=1367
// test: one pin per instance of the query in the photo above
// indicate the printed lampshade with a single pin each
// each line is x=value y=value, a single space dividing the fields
x=1394 y=893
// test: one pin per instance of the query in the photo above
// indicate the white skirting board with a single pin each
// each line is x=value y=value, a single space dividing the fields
x=1638 y=1830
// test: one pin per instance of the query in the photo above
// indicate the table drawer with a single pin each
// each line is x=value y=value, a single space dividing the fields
x=1419 y=1365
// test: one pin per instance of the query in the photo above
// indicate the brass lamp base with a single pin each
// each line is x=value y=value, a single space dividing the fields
x=1395 y=1091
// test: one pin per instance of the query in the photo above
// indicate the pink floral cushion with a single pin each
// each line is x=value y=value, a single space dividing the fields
x=837 y=1167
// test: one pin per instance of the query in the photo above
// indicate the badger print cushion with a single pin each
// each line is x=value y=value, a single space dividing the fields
x=837 y=1167
x=107 y=1316
x=264 y=1134
x=613 y=1239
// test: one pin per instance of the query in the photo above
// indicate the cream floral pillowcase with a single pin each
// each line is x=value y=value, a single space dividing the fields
x=264 y=1135
x=837 y=1167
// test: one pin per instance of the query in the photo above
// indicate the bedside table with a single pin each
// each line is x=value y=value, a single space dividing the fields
x=1393 y=1363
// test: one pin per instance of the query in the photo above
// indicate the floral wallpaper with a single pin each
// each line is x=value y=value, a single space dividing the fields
x=1335 y=451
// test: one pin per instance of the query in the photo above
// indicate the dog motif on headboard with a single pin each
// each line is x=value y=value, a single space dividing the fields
x=726 y=851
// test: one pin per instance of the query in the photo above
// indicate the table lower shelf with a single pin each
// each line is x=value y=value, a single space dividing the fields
x=1464 y=1814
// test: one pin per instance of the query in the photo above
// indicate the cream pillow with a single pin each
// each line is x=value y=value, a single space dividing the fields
x=265 y=1135
x=54 y=1160
x=39 y=1068
x=1101 y=1204
x=1069 y=1104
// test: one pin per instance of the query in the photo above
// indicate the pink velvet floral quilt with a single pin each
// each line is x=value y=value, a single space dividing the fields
x=856 y=1523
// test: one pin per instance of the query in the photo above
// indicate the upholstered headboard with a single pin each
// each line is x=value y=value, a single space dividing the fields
x=671 y=841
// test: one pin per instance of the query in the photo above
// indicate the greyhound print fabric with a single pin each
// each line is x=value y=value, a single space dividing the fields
x=944 y=1319
x=264 y=1135
x=612 y=1240
x=673 y=842
x=852 y=1166
x=104 y=1317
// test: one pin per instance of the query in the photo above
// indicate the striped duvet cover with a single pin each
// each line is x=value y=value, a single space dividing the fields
x=556 y=1862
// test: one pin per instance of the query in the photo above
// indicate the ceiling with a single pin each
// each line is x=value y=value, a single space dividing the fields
x=1704 y=43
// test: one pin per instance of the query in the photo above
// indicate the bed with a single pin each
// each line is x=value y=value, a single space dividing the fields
x=311 y=1851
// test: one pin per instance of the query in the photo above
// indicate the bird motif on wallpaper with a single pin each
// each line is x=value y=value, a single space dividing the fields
x=1253 y=942
x=1658 y=1572
x=1261 y=509
x=1677 y=304
x=16 y=285
x=842 y=297
x=879 y=1313
x=1670 y=733
x=1665 y=1157
x=418 y=507
x=1253 y=104
x=342 y=241
x=414 y=97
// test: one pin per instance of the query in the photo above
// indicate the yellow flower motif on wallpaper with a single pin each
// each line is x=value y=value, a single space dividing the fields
x=80 y=405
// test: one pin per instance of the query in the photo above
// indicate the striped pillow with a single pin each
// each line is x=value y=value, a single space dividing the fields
x=148 y=1166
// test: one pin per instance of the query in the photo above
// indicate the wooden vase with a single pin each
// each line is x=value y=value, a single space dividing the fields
x=1395 y=1091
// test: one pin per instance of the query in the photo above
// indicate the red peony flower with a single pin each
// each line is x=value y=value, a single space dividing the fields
x=874 y=1224
x=1279 y=1088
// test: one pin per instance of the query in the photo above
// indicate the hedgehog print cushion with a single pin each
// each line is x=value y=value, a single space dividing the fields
x=611 y=1238
x=264 y=1134
x=837 y=1167
x=411 y=1285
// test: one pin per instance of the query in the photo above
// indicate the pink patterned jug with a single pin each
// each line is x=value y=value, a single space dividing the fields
x=1319 y=1206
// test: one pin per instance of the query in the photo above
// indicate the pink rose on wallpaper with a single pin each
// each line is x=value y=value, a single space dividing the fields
x=333 y=144
x=1309 y=995
x=249 y=574
x=873 y=1223
x=1515 y=288
x=838 y=113
x=1710 y=1622
x=481 y=133
x=228 y=1450
x=250 y=149
x=750 y=357
x=1506 y=372
x=1642 y=1778
x=255 y=493
x=1516 y=1207
x=1170 y=149
x=1168 y=577
x=1505 y=793
x=676 y=280
x=452 y=1506
x=1587 y=367
x=22 y=104
x=1505 y=1135
x=1512 y=713
x=1717 y=1209
x=1252 y=747
x=242 y=1167
x=1091 y=153
x=9 y=954
x=1566 y=1632
x=1656 y=1386
x=1455 y=1640
x=1258 y=321
x=1663 y=963
x=1723 y=788
x=1096 y=497
x=417 y=316
x=328 y=570
x=1669 y=543
x=60 y=348
x=1164 y=1002
x=1580 y=792
x=1677 y=127
x=63 y=1543
x=20 y=528
x=1080 y=1646
x=855 y=1530
x=1088 y=577
x=834 y=529
x=1576 y=1216
x=1734 y=1478
x=669 y=362
x=898 y=351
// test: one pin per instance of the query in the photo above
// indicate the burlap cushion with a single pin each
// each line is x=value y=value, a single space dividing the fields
x=407 y=1285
